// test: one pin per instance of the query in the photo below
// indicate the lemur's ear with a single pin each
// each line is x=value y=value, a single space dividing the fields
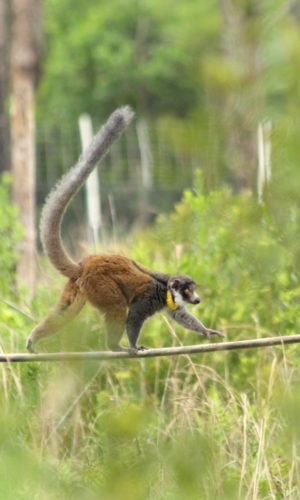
x=175 y=283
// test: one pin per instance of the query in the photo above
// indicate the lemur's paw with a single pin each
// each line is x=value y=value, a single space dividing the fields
x=137 y=349
x=210 y=332
x=142 y=348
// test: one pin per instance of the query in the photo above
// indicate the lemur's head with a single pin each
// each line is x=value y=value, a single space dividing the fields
x=183 y=289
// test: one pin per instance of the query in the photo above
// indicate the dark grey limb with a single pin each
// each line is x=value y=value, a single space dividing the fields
x=185 y=318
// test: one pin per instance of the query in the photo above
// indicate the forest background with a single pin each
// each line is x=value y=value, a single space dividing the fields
x=205 y=182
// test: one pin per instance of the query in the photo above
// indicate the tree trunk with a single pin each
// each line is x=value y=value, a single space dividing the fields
x=4 y=135
x=24 y=66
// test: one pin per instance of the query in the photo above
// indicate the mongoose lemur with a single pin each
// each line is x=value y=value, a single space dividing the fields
x=124 y=290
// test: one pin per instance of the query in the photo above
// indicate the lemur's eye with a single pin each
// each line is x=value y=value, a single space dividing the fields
x=187 y=291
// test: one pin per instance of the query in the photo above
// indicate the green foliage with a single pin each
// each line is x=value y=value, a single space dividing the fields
x=11 y=232
x=140 y=53
x=244 y=261
x=12 y=318
x=204 y=85
x=238 y=251
x=219 y=425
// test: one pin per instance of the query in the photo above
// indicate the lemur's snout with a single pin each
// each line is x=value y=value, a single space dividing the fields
x=196 y=300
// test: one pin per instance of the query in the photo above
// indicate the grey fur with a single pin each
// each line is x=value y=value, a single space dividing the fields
x=155 y=300
x=182 y=316
x=145 y=306
x=67 y=187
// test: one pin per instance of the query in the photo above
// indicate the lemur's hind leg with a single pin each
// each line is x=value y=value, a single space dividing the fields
x=106 y=295
x=115 y=320
x=69 y=305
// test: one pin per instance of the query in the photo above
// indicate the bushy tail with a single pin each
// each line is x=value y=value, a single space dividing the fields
x=65 y=189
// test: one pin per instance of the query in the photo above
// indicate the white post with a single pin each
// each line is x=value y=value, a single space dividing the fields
x=92 y=186
x=264 y=148
x=268 y=148
x=145 y=152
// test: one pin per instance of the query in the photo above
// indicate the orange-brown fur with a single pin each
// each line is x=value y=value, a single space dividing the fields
x=111 y=279
x=110 y=282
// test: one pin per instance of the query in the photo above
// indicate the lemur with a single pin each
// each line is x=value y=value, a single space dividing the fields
x=124 y=290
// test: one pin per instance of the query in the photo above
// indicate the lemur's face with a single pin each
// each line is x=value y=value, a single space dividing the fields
x=183 y=289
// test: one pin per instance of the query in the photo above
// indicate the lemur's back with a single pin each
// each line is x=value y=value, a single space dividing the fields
x=111 y=278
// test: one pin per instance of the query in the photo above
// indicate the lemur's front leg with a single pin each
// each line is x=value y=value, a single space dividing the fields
x=182 y=316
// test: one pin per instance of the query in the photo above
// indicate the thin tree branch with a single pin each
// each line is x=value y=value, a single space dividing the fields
x=149 y=353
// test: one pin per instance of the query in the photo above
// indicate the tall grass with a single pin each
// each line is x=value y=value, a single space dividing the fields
x=217 y=425
x=162 y=428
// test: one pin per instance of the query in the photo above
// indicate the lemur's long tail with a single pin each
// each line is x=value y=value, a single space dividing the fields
x=69 y=184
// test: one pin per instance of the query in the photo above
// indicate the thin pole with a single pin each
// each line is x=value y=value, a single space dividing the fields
x=150 y=353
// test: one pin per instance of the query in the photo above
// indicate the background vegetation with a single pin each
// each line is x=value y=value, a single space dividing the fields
x=221 y=425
